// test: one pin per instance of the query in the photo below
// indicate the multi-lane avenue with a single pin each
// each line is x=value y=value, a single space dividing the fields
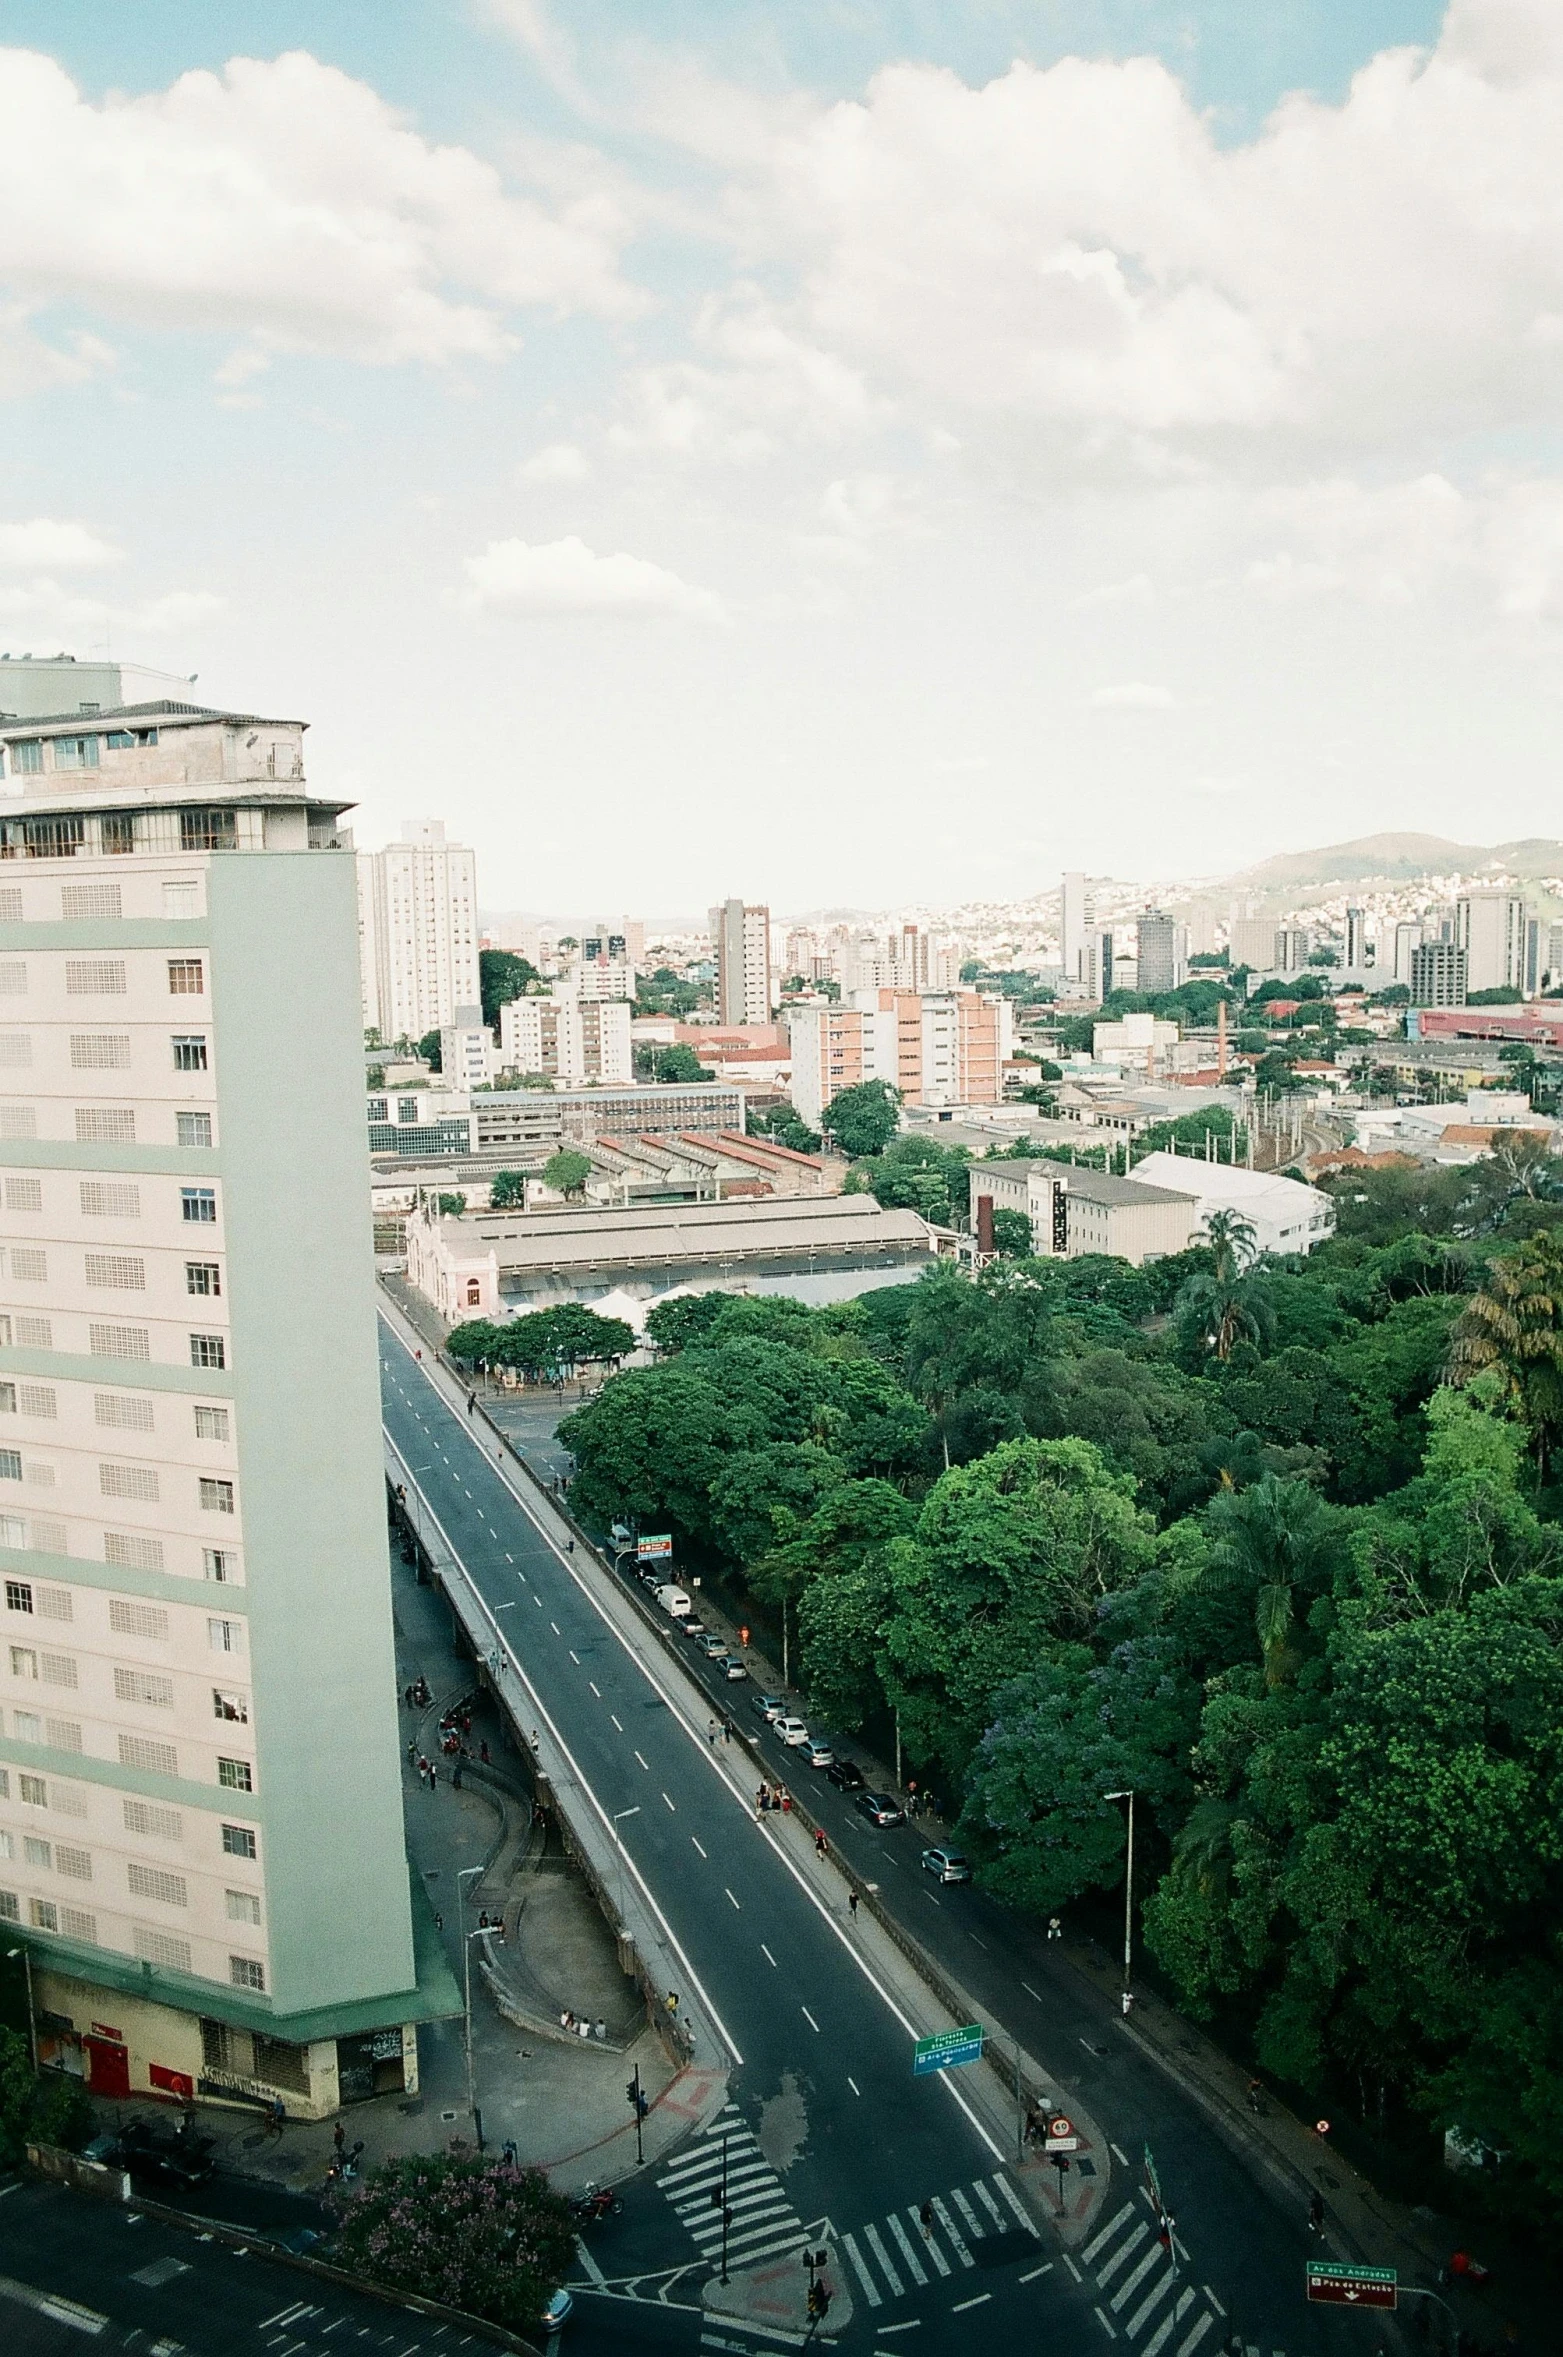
x=827 y=2123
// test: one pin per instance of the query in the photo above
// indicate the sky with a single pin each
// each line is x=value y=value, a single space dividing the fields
x=852 y=452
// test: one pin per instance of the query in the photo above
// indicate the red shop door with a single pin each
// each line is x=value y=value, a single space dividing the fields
x=108 y=2066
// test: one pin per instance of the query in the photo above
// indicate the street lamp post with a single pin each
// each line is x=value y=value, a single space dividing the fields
x=462 y=1879
x=618 y=1817
x=26 y=1955
x=1128 y=1903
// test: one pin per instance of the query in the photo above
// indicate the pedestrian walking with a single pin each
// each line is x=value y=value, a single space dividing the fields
x=455 y=1778
x=339 y=2136
x=786 y=1802
x=472 y=1401
x=423 y=1769
x=1055 y=1930
x=412 y=1753
x=439 y=1921
x=671 y=2000
x=276 y=2117
x=727 y=1730
x=819 y=1843
x=925 y=2221
x=711 y=1733
x=483 y=1753
x=852 y=1905
x=434 y=1774
x=534 y=1739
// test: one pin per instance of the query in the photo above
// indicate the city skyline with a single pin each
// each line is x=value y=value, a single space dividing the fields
x=605 y=459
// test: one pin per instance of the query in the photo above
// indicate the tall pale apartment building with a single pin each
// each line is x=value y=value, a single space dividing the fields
x=201 y=1840
x=418 y=932
x=741 y=933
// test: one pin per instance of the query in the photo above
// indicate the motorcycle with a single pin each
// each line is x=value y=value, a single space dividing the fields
x=594 y=2203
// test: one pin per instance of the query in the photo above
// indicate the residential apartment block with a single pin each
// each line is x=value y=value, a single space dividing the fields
x=568 y=1038
x=1075 y=1213
x=741 y=934
x=418 y=932
x=941 y=1047
x=1490 y=928
x=200 y=1810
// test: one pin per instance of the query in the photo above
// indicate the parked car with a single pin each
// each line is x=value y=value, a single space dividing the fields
x=817 y=1752
x=175 y=2162
x=792 y=1731
x=734 y=1669
x=711 y=1644
x=846 y=1775
x=554 y=2316
x=693 y=1627
x=879 y=1808
x=946 y=1865
x=769 y=1706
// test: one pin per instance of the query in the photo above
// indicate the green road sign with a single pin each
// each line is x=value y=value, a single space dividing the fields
x=1341 y=2285
x=947 y=2051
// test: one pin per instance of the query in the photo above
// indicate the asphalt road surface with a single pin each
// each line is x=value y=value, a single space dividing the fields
x=829 y=2125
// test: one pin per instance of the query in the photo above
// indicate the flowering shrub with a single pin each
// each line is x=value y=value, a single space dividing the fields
x=477 y=2234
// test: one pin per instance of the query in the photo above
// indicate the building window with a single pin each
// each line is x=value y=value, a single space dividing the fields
x=116 y=1272
x=119 y=1342
x=94 y=977
x=208 y=830
x=117 y=832
x=131 y=1553
x=146 y=1688
x=129 y=1481
x=216 y=1496
x=379 y=1109
x=186 y=978
x=109 y=1199
x=105 y=1125
x=204 y=1277
x=222 y=1565
x=246 y=1973
x=34 y=1791
x=239 y=1841
x=74 y=1864
x=127 y=1619
x=7 y=1399
x=45 y=1915
x=199 y=1204
x=155 y=1882
x=193 y=1129
x=100 y=1051
x=10 y=1464
x=236 y=1775
x=161 y=1947
x=36 y=1852
x=243 y=1907
x=189 y=1052
x=34 y=1333
x=206 y=1350
x=212 y=1424
x=225 y=1636
x=24 y=1194
x=13 y=981
x=18 y=1596
x=141 y=1751
x=24 y=1663
x=123 y=1411
x=27 y=757
x=75 y=752
x=29 y=1267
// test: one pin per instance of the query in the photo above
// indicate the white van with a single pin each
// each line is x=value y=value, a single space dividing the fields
x=674 y=1600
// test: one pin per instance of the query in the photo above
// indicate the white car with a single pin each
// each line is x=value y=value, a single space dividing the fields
x=792 y=1731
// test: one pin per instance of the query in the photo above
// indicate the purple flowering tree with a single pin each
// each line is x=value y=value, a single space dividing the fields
x=481 y=2235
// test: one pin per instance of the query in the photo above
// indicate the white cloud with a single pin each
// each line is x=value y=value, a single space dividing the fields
x=288 y=203
x=1137 y=590
x=1068 y=255
x=31 y=364
x=59 y=546
x=1399 y=543
x=556 y=462
x=566 y=577
x=762 y=384
x=1133 y=695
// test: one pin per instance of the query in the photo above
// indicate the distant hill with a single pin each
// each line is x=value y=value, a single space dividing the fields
x=1394 y=859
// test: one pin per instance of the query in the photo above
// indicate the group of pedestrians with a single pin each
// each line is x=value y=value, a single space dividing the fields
x=579 y=2026
x=765 y=1800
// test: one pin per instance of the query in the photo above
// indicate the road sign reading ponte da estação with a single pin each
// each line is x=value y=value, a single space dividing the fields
x=947 y=2050
x=1346 y=2286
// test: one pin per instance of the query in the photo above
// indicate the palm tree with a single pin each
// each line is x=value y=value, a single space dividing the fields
x=1224 y=1303
x=1513 y=1326
x=1273 y=1539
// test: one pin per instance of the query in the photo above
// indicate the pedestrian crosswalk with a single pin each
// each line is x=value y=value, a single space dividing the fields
x=762 y=2221
x=1144 y=2290
x=908 y=2249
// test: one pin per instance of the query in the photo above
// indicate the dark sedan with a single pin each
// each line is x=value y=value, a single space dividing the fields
x=846 y=1775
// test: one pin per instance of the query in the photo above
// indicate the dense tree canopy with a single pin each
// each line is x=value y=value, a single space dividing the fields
x=862 y=1119
x=1273 y=1543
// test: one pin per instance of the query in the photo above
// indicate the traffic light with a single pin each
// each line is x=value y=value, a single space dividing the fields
x=638 y=2101
x=819 y=2299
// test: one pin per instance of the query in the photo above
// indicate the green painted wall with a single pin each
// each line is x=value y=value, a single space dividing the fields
x=296 y=1230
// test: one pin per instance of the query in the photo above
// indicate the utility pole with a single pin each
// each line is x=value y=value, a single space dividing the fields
x=467 y=1939
x=1128 y=1904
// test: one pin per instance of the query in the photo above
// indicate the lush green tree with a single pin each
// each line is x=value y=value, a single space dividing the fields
x=507 y=1190
x=781 y=1124
x=677 y=1063
x=1071 y=1730
x=683 y=1318
x=1012 y=1234
x=36 y=2108
x=567 y=1173
x=1225 y=1305
x=479 y=1343
x=667 y=993
x=1012 y=1554
x=1513 y=1325
x=474 y=2233
x=502 y=976
x=862 y=1119
x=429 y=1049
x=450 y=1206
x=917 y=1174
x=548 y=1341
x=1276 y=1545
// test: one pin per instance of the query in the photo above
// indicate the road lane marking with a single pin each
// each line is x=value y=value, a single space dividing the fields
x=769 y=1958
x=909 y=2257
x=1111 y=2330
x=871 y=2236
x=1191 y=2340
x=1037 y=2272
x=809 y=2018
x=1030 y=1991
x=1125 y=2251
x=1100 y=2241
x=554 y=1625
x=616 y=1722
x=978 y=2300
x=870 y=2287
x=856 y=2089
x=1119 y=2154
x=1013 y=2198
x=646 y=1764
x=670 y=1804
x=697 y=1845
x=730 y=1895
x=990 y=2205
x=594 y=1689
x=1211 y=2297
x=574 y=1656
